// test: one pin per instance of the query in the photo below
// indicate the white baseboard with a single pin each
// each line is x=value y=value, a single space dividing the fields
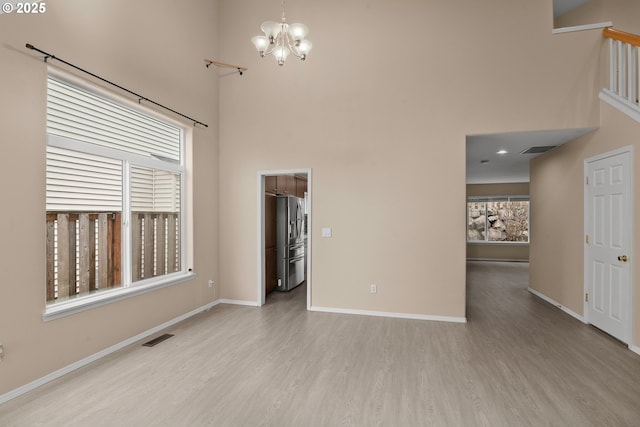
x=557 y=304
x=389 y=314
x=83 y=362
x=238 y=302
x=573 y=314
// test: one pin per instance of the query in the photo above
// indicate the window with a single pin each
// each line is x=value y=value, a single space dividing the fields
x=114 y=196
x=498 y=219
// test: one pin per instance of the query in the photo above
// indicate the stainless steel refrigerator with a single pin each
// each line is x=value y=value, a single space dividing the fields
x=290 y=241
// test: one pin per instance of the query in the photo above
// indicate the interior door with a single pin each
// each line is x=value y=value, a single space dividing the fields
x=608 y=225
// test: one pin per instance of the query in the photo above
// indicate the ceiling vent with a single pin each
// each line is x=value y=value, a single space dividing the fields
x=539 y=149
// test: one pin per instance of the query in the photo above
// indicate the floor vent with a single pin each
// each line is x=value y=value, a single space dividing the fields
x=538 y=149
x=157 y=340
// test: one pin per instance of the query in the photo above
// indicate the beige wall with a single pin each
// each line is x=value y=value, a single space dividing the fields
x=155 y=48
x=515 y=252
x=556 y=248
x=498 y=252
x=380 y=112
x=557 y=185
x=624 y=14
x=503 y=189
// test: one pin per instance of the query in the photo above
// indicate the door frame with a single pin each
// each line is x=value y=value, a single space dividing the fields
x=628 y=150
x=261 y=294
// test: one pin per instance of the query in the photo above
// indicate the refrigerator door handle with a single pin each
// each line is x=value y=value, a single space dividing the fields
x=296 y=259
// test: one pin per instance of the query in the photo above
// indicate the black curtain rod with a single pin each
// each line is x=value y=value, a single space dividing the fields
x=48 y=56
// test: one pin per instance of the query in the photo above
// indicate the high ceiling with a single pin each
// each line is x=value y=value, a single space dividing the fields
x=486 y=166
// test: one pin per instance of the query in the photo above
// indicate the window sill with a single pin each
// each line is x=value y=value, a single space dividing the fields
x=68 y=308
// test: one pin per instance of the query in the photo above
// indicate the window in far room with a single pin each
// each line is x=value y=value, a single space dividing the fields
x=498 y=219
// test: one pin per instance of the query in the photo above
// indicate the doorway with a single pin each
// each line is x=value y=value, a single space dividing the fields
x=608 y=243
x=266 y=180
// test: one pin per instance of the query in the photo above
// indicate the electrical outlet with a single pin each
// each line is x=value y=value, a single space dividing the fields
x=211 y=283
x=374 y=289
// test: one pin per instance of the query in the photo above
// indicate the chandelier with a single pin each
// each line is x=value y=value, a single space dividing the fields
x=280 y=39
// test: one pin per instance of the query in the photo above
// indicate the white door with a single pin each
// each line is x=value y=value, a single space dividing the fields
x=608 y=243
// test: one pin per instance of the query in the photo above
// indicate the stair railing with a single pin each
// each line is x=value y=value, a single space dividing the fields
x=624 y=66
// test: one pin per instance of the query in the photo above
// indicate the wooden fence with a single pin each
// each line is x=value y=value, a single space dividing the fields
x=155 y=244
x=84 y=250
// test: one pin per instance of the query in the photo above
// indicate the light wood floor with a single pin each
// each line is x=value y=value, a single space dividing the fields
x=517 y=362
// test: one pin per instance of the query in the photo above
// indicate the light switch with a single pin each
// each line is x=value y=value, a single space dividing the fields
x=326 y=231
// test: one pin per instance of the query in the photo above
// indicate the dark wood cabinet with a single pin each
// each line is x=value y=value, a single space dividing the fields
x=269 y=221
x=286 y=185
x=270 y=269
x=301 y=186
x=271 y=184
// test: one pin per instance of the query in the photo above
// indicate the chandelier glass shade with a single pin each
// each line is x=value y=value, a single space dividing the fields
x=281 y=39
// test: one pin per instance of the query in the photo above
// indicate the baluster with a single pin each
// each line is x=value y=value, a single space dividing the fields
x=622 y=70
x=629 y=95
x=613 y=61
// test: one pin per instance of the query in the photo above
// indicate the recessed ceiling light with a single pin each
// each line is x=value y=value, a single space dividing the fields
x=502 y=152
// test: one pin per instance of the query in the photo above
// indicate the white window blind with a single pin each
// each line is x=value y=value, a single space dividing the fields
x=154 y=190
x=82 y=182
x=82 y=116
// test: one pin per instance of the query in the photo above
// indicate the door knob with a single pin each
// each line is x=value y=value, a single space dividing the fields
x=623 y=258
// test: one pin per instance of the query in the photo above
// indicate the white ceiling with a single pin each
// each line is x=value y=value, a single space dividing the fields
x=560 y=7
x=513 y=166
